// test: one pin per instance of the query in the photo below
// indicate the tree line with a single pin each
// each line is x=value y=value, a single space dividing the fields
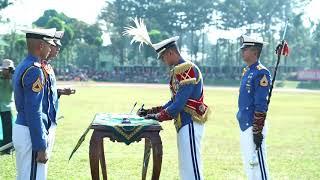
x=191 y=20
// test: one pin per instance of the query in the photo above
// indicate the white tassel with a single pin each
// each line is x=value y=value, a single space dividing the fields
x=138 y=33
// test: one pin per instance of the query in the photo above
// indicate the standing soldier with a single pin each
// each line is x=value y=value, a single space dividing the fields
x=31 y=135
x=55 y=51
x=6 y=104
x=186 y=106
x=253 y=107
x=54 y=94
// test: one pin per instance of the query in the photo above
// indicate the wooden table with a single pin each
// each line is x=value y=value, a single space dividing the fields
x=152 y=140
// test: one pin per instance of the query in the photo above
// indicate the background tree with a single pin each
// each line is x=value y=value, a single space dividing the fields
x=315 y=53
x=116 y=15
x=191 y=21
x=5 y=3
x=81 y=42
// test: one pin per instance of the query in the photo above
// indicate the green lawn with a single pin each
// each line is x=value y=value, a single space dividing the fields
x=293 y=140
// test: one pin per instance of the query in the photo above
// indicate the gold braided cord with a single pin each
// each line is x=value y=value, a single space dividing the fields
x=196 y=117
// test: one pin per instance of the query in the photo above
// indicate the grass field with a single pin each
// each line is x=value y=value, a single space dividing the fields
x=293 y=138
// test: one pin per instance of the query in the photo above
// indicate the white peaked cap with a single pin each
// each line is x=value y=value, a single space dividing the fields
x=246 y=41
x=44 y=34
x=165 y=44
x=57 y=37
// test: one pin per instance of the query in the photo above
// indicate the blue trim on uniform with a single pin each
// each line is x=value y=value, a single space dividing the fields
x=194 y=150
x=264 y=169
x=192 y=157
x=35 y=168
x=260 y=165
x=48 y=85
x=33 y=173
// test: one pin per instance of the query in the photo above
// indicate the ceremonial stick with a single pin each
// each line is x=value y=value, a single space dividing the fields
x=278 y=61
x=277 y=65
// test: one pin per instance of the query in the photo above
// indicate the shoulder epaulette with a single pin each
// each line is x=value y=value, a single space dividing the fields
x=185 y=73
x=183 y=67
x=37 y=64
x=261 y=67
x=244 y=70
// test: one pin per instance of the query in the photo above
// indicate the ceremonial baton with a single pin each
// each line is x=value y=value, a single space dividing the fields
x=278 y=61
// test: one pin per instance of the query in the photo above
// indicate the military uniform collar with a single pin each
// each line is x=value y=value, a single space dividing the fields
x=181 y=61
x=254 y=65
x=44 y=61
x=33 y=58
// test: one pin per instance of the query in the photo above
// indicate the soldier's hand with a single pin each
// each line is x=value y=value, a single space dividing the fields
x=42 y=156
x=151 y=116
x=257 y=139
x=282 y=50
x=142 y=112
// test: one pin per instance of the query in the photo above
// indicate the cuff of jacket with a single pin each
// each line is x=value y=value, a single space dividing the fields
x=155 y=110
x=258 y=122
x=163 y=116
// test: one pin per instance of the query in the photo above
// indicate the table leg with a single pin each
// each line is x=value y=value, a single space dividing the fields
x=94 y=155
x=157 y=156
x=103 y=162
x=146 y=157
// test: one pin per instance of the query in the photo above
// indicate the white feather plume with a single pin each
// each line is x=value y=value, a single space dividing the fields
x=139 y=33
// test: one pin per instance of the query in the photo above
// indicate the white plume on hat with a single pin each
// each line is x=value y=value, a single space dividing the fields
x=138 y=33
